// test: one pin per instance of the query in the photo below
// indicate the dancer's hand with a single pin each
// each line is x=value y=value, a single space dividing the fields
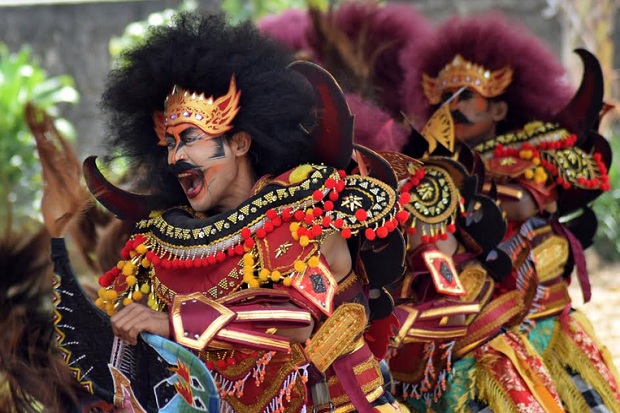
x=136 y=318
x=64 y=198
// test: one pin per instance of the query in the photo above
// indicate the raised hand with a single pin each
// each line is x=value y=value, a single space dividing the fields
x=64 y=198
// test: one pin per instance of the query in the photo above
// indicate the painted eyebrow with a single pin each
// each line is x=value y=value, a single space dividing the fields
x=192 y=132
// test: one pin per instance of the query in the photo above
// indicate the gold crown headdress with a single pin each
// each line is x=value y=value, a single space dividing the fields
x=213 y=117
x=460 y=72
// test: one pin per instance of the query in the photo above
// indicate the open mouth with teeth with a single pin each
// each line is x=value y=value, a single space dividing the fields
x=192 y=182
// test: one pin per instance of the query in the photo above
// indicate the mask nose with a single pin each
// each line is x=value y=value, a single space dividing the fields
x=176 y=154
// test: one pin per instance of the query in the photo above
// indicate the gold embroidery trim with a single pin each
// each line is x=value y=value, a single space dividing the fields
x=371 y=397
x=478 y=335
x=426 y=333
x=273 y=384
x=402 y=333
x=279 y=344
x=271 y=314
x=439 y=312
x=201 y=342
x=429 y=257
x=348 y=281
x=504 y=190
x=346 y=323
x=554 y=306
x=474 y=279
x=550 y=257
x=326 y=305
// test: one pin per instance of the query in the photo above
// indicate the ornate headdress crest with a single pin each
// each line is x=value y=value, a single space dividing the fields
x=211 y=116
x=460 y=72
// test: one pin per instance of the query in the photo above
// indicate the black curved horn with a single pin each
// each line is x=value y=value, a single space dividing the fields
x=333 y=136
x=582 y=112
x=123 y=204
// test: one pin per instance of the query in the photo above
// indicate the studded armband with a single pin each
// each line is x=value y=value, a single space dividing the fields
x=199 y=322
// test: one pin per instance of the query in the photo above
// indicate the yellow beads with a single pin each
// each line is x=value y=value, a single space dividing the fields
x=275 y=276
x=313 y=261
x=540 y=175
x=300 y=266
x=526 y=154
x=128 y=268
x=248 y=259
x=110 y=295
x=253 y=283
x=263 y=275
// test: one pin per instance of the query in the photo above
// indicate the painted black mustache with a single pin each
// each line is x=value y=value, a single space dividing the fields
x=180 y=167
x=460 y=118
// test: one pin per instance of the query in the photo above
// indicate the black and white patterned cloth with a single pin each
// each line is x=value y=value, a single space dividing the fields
x=592 y=398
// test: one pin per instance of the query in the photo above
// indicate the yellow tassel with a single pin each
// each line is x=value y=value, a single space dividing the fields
x=568 y=353
x=569 y=393
x=490 y=391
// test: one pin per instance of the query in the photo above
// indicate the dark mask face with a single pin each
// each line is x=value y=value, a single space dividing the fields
x=475 y=117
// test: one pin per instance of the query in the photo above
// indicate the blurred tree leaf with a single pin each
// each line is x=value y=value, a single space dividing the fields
x=134 y=32
x=239 y=10
x=607 y=208
x=22 y=79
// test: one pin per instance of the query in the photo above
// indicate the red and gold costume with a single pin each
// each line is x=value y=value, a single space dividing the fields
x=526 y=349
x=238 y=279
x=269 y=244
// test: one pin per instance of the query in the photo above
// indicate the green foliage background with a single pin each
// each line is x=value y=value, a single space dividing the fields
x=607 y=208
x=22 y=79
